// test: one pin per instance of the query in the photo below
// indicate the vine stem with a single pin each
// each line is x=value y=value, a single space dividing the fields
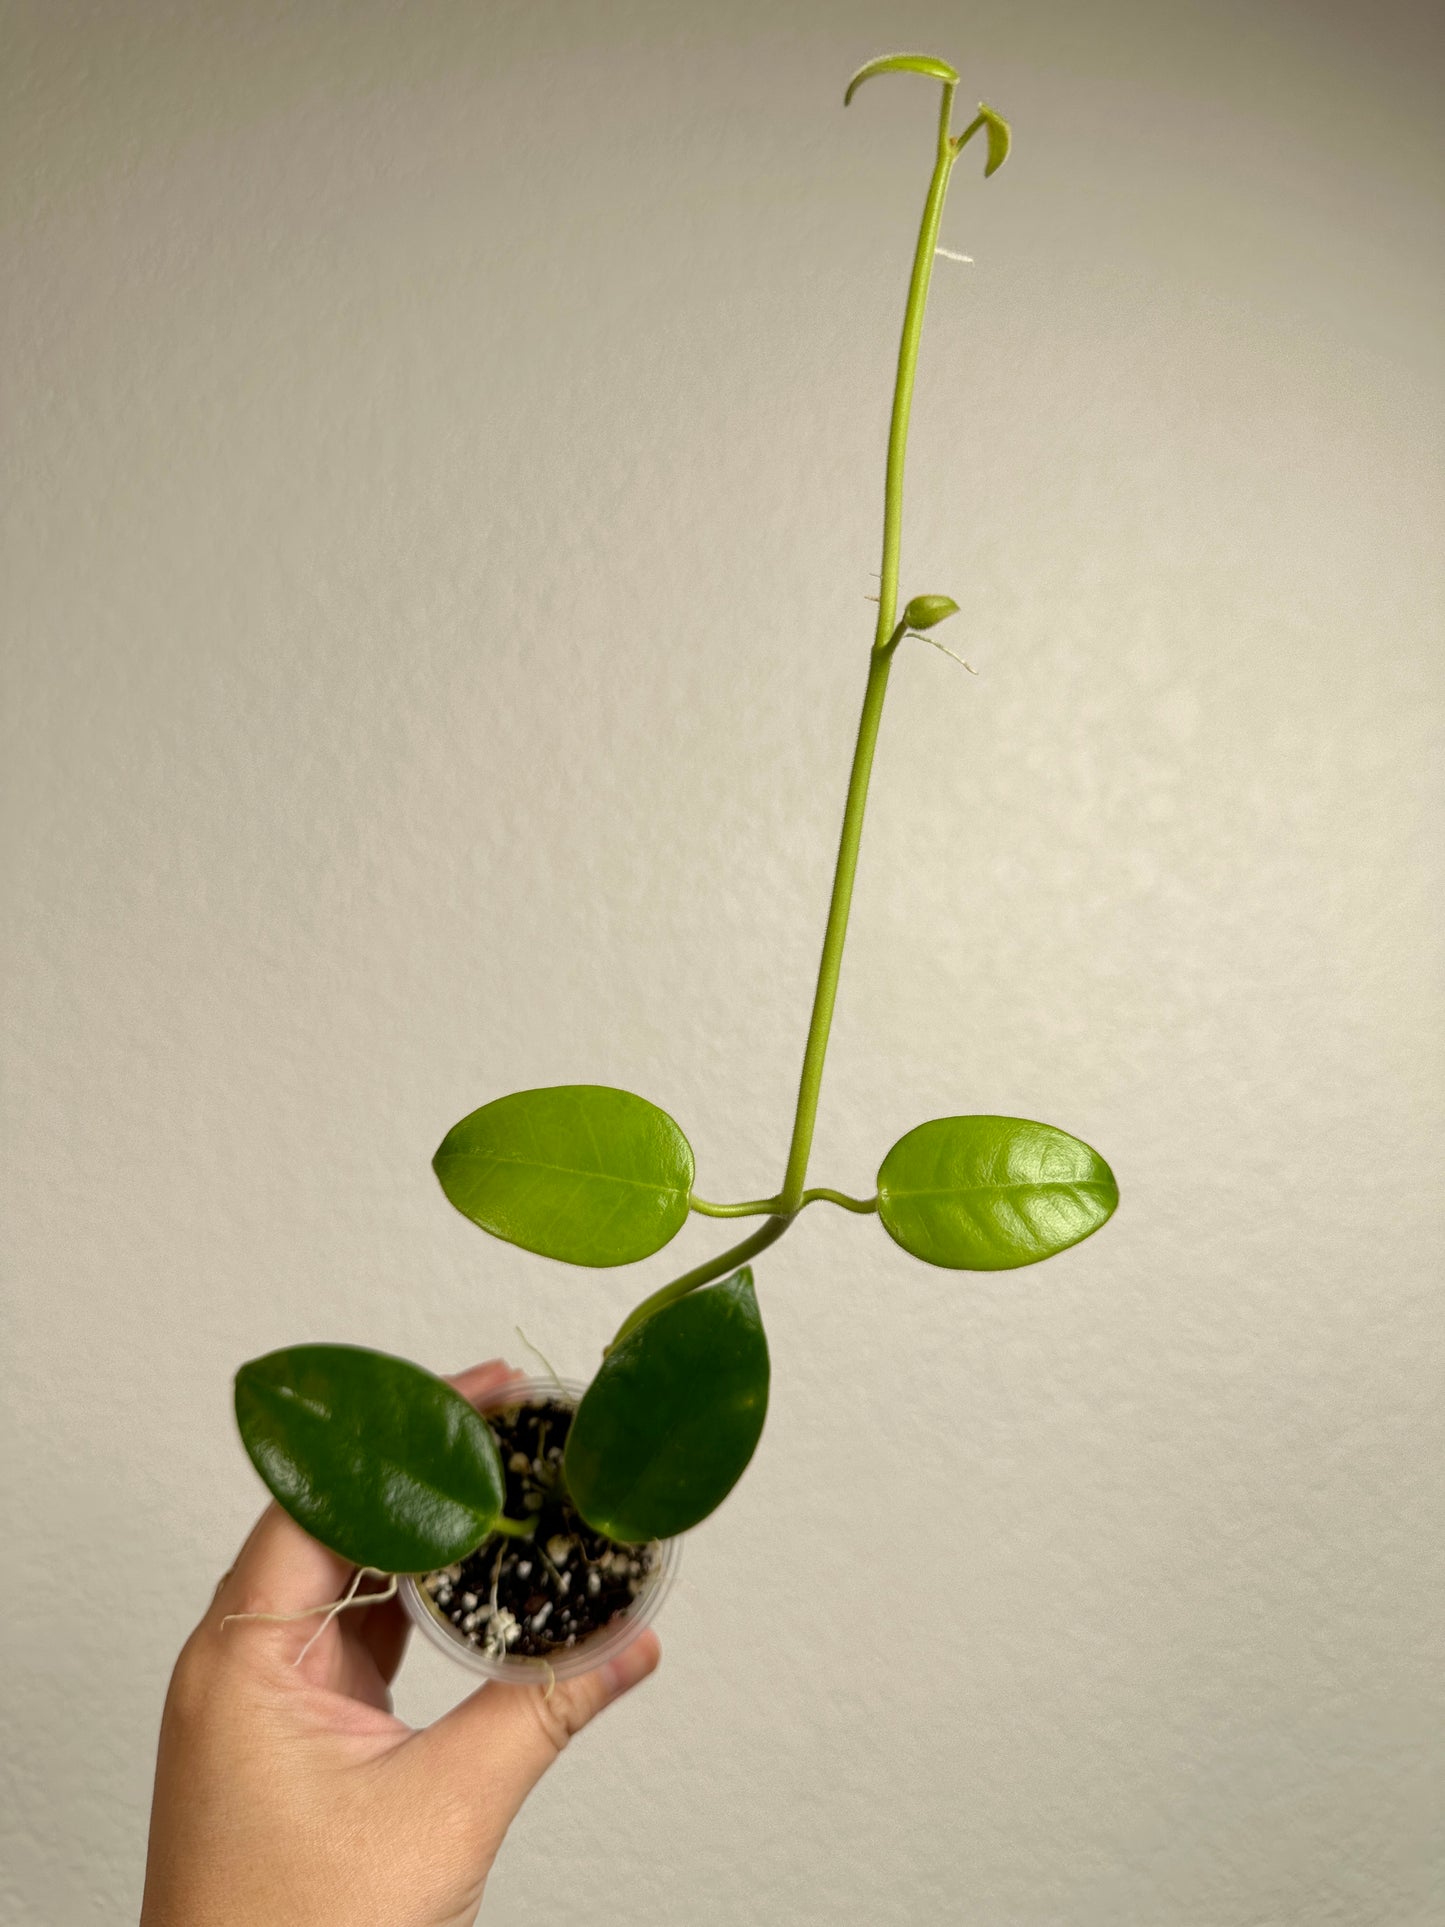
x=768 y=1207
x=825 y=1194
x=704 y=1274
x=749 y=1208
x=885 y=643
x=792 y=1194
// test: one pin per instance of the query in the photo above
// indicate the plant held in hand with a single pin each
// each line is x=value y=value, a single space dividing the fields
x=389 y=1467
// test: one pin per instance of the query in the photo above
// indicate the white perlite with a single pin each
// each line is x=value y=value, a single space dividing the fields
x=504 y=1631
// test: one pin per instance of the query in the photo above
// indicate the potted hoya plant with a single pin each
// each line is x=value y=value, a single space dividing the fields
x=533 y=1537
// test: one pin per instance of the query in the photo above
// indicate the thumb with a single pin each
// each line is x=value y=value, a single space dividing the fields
x=498 y=1744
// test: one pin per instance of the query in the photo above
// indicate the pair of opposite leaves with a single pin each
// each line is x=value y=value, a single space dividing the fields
x=596 y=1176
x=394 y=1470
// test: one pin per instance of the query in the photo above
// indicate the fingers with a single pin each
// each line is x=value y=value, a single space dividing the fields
x=500 y=1742
x=479 y=1381
x=383 y=1631
x=280 y=1569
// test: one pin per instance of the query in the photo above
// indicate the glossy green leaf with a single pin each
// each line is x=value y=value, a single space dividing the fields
x=378 y=1459
x=902 y=64
x=925 y=610
x=990 y=1193
x=666 y=1429
x=576 y=1171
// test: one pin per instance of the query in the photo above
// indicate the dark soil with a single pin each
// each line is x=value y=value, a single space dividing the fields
x=535 y=1597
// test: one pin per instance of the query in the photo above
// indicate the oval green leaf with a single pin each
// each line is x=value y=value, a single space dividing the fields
x=579 y=1172
x=666 y=1429
x=990 y=1193
x=902 y=64
x=381 y=1461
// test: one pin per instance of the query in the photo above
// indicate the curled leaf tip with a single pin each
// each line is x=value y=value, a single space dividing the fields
x=902 y=64
x=925 y=610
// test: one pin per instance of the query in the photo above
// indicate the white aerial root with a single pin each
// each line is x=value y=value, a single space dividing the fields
x=351 y=1597
x=552 y=1372
x=918 y=636
x=495 y=1643
x=949 y=255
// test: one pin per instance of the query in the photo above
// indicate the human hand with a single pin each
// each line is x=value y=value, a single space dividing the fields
x=290 y=1795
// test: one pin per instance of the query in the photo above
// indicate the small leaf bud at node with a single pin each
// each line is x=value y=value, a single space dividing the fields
x=925 y=610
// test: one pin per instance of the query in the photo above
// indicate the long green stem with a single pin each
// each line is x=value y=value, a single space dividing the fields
x=830 y=965
x=810 y=1083
x=907 y=367
x=793 y=1195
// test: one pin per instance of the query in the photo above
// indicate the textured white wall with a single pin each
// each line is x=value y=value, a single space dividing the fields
x=444 y=462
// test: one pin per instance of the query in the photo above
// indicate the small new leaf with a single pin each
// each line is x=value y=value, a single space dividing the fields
x=580 y=1172
x=925 y=610
x=902 y=64
x=379 y=1460
x=1000 y=138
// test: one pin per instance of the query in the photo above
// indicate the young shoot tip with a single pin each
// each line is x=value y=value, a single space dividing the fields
x=927 y=64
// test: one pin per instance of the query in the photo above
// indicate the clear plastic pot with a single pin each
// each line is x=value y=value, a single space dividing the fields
x=571 y=1660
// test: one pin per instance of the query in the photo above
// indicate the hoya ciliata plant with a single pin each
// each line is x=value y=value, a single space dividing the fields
x=393 y=1469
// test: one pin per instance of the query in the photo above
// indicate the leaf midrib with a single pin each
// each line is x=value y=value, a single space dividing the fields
x=892 y=1192
x=562 y=1170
